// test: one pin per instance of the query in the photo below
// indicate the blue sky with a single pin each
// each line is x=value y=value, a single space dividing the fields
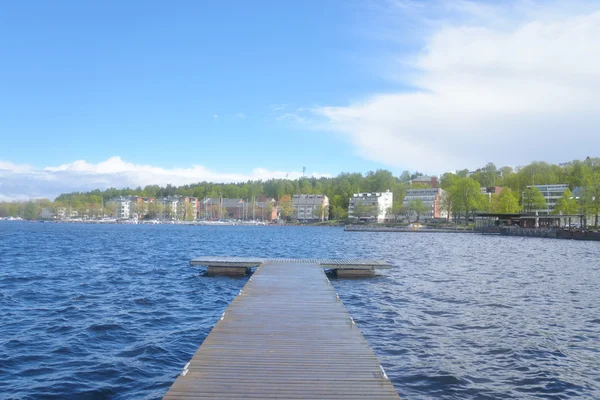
x=97 y=94
x=174 y=84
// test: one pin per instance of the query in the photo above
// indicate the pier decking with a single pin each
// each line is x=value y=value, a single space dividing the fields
x=286 y=335
x=346 y=267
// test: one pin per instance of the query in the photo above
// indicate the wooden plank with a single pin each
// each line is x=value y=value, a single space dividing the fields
x=286 y=335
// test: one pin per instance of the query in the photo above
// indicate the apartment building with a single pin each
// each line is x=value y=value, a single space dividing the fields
x=123 y=206
x=551 y=194
x=311 y=207
x=430 y=198
x=371 y=206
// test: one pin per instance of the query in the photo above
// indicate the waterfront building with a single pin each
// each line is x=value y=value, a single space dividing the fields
x=266 y=209
x=551 y=194
x=169 y=206
x=213 y=208
x=430 y=198
x=47 y=213
x=190 y=205
x=431 y=181
x=123 y=206
x=311 y=207
x=371 y=206
x=65 y=212
x=221 y=208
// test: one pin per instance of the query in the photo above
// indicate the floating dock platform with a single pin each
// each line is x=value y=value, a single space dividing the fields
x=287 y=335
x=346 y=267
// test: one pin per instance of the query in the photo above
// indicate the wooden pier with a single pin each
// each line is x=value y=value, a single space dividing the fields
x=345 y=267
x=286 y=335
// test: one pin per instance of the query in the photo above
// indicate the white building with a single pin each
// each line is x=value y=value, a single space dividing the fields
x=430 y=198
x=123 y=205
x=170 y=207
x=551 y=194
x=380 y=205
x=311 y=206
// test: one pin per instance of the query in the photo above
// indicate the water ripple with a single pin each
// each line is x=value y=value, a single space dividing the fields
x=91 y=311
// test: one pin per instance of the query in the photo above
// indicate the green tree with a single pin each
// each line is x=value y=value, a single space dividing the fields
x=110 y=209
x=321 y=213
x=140 y=208
x=286 y=210
x=31 y=210
x=505 y=203
x=155 y=209
x=180 y=211
x=405 y=176
x=168 y=211
x=407 y=210
x=448 y=180
x=447 y=202
x=417 y=208
x=339 y=213
x=364 y=211
x=467 y=198
x=533 y=199
x=566 y=204
x=488 y=175
x=379 y=181
x=463 y=173
x=189 y=212
x=397 y=210
x=267 y=211
x=591 y=196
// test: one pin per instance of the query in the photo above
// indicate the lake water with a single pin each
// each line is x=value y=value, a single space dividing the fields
x=92 y=311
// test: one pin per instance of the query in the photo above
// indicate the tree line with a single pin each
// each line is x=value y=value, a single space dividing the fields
x=462 y=199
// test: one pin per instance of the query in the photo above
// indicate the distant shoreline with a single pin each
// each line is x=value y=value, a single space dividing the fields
x=408 y=230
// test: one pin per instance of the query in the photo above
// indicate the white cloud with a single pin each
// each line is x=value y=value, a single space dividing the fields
x=239 y=115
x=487 y=90
x=21 y=181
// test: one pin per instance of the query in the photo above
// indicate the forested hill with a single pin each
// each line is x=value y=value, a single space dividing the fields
x=339 y=189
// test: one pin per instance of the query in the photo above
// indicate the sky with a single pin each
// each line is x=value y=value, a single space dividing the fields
x=115 y=94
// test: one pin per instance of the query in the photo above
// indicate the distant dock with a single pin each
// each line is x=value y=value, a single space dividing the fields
x=287 y=335
x=359 y=228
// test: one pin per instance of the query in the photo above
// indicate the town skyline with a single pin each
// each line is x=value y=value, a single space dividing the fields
x=539 y=187
x=83 y=177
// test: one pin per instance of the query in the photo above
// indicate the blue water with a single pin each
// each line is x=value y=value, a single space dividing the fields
x=91 y=311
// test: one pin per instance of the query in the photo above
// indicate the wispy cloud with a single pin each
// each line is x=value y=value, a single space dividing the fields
x=491 y=85
x=278 y=107
x=22 y=181
x=239 y=115
x=293 y=117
